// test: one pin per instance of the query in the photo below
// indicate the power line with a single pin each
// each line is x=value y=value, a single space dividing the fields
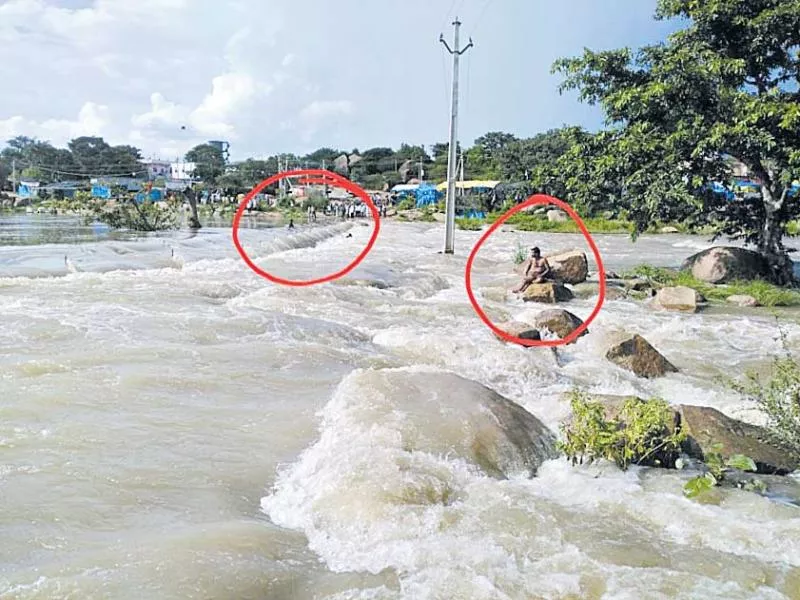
x=480 y=14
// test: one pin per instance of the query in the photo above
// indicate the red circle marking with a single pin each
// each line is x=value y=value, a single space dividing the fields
x=532 y=201
x=317 y=176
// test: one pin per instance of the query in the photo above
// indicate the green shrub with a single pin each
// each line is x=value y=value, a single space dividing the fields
x=133 y=216
x=427 y=215
x=406 y=204
x=520 y=256
x=643 y=433
x=718 y=469
x=778 y=398
x=469 y=224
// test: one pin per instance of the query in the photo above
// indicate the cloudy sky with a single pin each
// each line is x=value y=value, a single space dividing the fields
x=293 y=75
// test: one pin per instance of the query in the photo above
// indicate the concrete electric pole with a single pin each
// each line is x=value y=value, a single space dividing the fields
x=450 y=202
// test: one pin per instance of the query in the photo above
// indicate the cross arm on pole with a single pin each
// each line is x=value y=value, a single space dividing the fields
x=467 y=47
x=446 y=45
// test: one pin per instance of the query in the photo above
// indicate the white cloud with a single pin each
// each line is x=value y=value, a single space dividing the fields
x=161 y=74
x=162 y=112
x=230 y=93
x=320 y=109
x=93 y=119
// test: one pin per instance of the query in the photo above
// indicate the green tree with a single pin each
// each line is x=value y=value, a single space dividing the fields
x=92 y=156
x=724 y=85
x=39 y=160
x=326 y=155
x=209 y=163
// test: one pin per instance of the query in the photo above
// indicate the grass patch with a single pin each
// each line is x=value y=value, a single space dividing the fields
x=427 y=215
x=526 y=222
x=767 y=294
x=468 y=224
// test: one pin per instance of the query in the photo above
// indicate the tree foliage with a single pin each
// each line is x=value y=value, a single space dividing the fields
x=725 y=85
x=85 y=157
x=209 y=162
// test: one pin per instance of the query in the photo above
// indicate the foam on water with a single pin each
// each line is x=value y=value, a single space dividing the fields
x=368 y=499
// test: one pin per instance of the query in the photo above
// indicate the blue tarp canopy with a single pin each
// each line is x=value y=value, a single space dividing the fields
x=154 y=196
x=426 y=195
x=101 y=191
x=27 y=191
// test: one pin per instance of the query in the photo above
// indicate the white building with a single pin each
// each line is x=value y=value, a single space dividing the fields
x=181 y=170
x=157 y=169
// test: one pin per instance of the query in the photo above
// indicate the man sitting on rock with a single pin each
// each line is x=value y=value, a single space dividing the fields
x=537 y=271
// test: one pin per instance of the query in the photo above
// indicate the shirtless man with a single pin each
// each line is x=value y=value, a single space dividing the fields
x=537 y=271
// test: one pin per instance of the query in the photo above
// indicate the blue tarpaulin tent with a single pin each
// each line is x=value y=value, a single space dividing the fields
x=426 y=195
x=26 y=190
x=101 y=191
x=154 y=196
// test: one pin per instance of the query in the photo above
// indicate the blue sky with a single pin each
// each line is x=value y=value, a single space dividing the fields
x=290 y=76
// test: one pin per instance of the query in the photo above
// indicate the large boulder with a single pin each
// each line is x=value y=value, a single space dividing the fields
x=569 y=267
x=557 y=216
x=547 y=293
x=519 y=329
x=637 y=355
x=727 y=263
x=432 y=413
x=706 y=426
x=680 y=298
x=560 y=322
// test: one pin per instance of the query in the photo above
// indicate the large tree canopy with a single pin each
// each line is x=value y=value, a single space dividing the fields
x=725 y=85
x=209 y=162
x=85 y=157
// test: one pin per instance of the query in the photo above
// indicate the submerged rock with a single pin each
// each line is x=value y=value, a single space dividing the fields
x=637 y=355
x=722 y=264
x=569 y=267
x=679 y=298
x=519 y=329
x=560 y=322
x=742 y=300
x=547 y=293
x=615 y=293
x=707 y=426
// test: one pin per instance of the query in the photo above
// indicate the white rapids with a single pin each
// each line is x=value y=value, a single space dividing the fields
x=174 y=426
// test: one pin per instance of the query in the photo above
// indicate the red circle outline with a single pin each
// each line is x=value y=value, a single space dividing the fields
x=533 y=201
x=322 y=177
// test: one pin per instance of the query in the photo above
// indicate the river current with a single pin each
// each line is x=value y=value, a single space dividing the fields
x=173 y=426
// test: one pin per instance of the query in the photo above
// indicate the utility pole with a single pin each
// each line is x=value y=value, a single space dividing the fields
x=461 y=178
x=421 y=171
x=450 y=220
